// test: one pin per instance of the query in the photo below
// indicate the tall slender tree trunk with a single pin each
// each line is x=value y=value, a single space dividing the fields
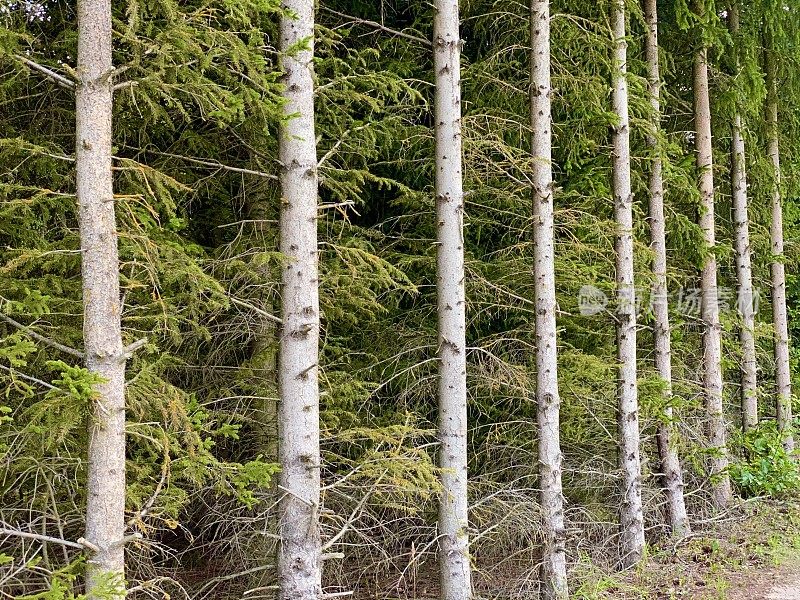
x=102 y=328
x=744 y=271
x=631 y=515
x=554 y=567
x=712 y=350
x=783 y=380
x=299 y=560
x=262 y=371
x=454 y=563
x=670 y=465
x=263 y=350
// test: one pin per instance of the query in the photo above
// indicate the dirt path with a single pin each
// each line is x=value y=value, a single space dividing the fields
x=777 y=583
x=790 y=590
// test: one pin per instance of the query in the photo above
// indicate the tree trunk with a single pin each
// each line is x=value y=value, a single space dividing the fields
x=670 y=465
x=263 y=350
x=631 y=515
x=712 y=351
x=554 y=568
x=261 y=372
x=744 y=272
x=299 y=561
x=102 y=328
x=454 y=562
x=783 y=380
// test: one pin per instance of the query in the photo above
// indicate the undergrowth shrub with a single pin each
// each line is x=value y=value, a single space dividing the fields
x=765 y=468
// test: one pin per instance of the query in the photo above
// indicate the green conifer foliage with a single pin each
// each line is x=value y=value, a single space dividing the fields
x=196 y=114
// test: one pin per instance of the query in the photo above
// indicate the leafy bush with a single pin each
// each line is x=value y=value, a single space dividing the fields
x=766 y=468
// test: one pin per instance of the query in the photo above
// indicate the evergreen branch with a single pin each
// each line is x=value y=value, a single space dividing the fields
x=136 y=536
x=338 y=143
x=245 y=221
x=128 y=351
x=212 y=164
x=289 y=492
x=123 y=85
x=378 y=26
x=39 y=537
x=28 y=377
x=50 y=74
x=336 y=205
x=41 y=338
x=64 y=157
x=255 y=151
x=84 y=543
x=353 y=515
x=149 y=504
x=257 y=310
x=149 y=584
x=223 y=578
x=114 y=73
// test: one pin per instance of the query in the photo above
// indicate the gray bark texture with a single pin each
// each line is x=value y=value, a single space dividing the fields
x=783 y=378
x=670 y=464
x=102 y=328
x=712 y=350
x=554 y=567
x=631 y=514
x=744 y=271
x=299 y=556
x=454 y=561
x=744 y=278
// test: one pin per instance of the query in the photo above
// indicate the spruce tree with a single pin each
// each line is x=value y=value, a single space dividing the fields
x=554 y=569
x=712 y=343
x=102 y=327
x=454 y=561
x=744 y=274
x=783 y=380
x=631 y=514
x=665 y=435
x=299 y=554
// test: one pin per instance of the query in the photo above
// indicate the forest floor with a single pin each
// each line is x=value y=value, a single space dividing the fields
x=777 y=583
x=751 y=554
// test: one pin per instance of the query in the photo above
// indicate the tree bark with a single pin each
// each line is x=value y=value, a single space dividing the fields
x=299 y=561
x=454 y=562
x=712 y=351
x=783 y=380
x=554 y=568
x=631 y=515
x=744 y=271
x=102 y=327
x=670 y=464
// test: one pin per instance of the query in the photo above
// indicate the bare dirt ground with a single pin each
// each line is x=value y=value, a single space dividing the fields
x=776 y=583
